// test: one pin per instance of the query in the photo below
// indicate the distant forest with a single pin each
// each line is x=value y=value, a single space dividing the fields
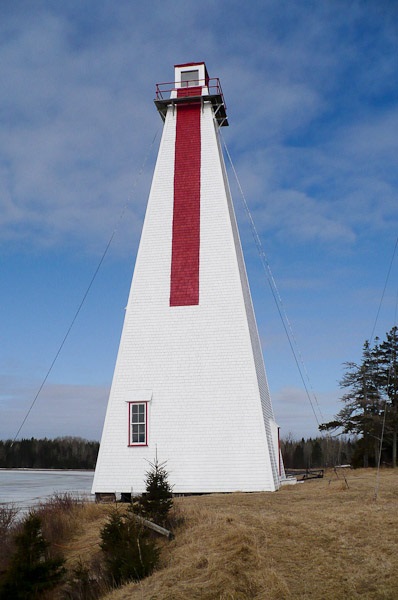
x=77 y=453
x=321 y=452
x=60 y=453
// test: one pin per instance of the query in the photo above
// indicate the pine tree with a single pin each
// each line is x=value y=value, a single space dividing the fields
x=388 y=359
x=31 y=571
x=130 y=551
x=157 y=501
x=316 y=454
x=362 y=412
x=298 y=456
x=372 y=399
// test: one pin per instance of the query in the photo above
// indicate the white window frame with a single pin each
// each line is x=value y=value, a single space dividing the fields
x=138 y=424
x=179 y=69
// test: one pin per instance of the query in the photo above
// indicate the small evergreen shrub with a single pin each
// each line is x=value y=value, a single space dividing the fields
x=130 y=552
x=156 y=503
x=31 y=572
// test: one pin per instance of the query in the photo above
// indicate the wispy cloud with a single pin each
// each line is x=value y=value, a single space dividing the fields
x=78 y=120
x=311 y=95
x=58 y=410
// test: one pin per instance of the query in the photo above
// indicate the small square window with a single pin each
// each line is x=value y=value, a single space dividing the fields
x=138 y=417
x=190 y=78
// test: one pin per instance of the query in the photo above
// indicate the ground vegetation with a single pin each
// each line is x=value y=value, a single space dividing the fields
x=32 y=571
x=323 y=539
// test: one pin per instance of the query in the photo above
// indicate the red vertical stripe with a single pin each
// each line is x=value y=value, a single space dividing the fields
x=184 y=283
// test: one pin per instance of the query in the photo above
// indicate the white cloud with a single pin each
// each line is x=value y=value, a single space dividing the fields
x=71 y=142
x=60 y=409
x=310 y=95
x=79 y=118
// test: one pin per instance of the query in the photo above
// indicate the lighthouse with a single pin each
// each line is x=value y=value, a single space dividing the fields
x=189 y=385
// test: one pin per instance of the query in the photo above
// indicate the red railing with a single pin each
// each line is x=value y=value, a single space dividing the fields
x=163 y=90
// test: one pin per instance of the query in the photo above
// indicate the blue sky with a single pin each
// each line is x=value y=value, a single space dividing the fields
x=311 y=92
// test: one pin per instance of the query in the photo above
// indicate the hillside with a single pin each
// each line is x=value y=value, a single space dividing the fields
x=318 y=540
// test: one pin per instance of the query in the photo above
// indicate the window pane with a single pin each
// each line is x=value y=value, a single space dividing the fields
x=138 y=413
x=189 y=78
x=138 y=422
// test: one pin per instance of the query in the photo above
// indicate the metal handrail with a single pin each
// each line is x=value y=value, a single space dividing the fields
x=213 y=85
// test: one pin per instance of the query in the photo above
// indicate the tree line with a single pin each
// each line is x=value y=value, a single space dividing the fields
x=59 y=453
x=370 y=408
x=365 y=430
x=319 y=452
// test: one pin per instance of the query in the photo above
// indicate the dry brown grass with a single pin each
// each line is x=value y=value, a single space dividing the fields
x=73 y=530
x=85 y=540
x=315 y=540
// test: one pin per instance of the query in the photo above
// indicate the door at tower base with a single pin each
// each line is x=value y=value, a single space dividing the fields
x=189 y=384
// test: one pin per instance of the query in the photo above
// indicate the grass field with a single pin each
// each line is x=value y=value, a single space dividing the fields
x=318 y=540
x=326 y=539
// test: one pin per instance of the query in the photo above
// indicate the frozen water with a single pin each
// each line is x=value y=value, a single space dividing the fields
x=26 y=487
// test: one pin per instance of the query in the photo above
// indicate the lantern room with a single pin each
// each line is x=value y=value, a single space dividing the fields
x=192 y=84
x=191 y=75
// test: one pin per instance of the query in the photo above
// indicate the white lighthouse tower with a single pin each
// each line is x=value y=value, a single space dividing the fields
x=190 y=384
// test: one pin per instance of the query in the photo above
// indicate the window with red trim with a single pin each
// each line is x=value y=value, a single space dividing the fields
x=138 y=423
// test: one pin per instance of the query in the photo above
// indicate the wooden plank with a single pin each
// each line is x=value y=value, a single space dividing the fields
x=155 y=527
